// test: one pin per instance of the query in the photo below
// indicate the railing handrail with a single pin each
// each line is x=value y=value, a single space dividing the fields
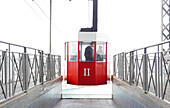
x=161 y=43
x=19 y=71
x=19 y=45
x=158 y=44
x=147 y=70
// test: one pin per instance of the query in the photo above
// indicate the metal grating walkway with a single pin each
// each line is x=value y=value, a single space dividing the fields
x=86 y=103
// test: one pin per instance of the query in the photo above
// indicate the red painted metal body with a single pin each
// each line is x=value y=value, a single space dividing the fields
x=101 y=73
x=87 y=73
x=72 y=73
x=86 y=78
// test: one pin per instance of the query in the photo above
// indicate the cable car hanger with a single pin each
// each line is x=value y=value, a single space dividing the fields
x=95 y=17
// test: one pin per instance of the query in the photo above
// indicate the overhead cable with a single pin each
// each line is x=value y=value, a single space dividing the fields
x=32 y=9
x=44 y=14
x=41 y=9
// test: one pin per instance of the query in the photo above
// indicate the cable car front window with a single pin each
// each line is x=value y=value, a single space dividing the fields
x=101 y=51
x=73 y=48
x=87 y=51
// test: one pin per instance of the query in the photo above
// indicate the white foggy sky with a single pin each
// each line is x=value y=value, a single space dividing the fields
x=130 y=24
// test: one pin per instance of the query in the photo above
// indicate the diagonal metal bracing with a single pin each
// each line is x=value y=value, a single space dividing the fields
x=1 y=67
x=18 y=72
x=31 y=67
x=166 y=70
x=138 y=66
x=3 y=91
x=165 y=2
x=3 y=57
x=168 y=79
x=16 y=68
x=151 y=70
x=34 y=66
x=166 y=27
x=166 y=12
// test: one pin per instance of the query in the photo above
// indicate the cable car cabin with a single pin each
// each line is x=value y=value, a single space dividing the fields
x=87 y=60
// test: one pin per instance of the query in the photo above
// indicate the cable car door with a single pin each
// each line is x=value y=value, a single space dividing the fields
x=86 y=64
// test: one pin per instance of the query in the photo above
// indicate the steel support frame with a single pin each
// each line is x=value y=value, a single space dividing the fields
x=165 y=35
x=165 y=20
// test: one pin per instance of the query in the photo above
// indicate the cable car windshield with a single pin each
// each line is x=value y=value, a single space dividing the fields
x=101 y=51
x=73 y=48
x=87 y=51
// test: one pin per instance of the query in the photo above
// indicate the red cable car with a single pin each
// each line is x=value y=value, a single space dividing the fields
x=85 y=70
x=88 y=59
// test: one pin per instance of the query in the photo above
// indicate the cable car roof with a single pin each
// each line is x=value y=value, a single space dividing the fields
x=92 y=36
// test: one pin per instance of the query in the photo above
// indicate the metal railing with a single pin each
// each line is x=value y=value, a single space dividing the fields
x=25 y=68
x=147 y=68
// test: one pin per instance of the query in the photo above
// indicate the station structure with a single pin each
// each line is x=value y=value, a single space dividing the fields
x=31 y=78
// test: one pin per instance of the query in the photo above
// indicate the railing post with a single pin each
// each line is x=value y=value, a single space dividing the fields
x=159 y=61
x=49 y=67
x=36 y=75
x=161 y=74
x=55 y=68
x=122 y=66
x=25 y=70
x=145 y=72
x=126 y=75
x=131 y=68
x=118 y=63
x=9 y=67
x=137 y=68
x=59 y=63
x=114 y=65
x=130 y=65
x=156 y=81
x=13 y=75
x=1 y=58
x=41 y=63
x=52 y=67
x=6 y=74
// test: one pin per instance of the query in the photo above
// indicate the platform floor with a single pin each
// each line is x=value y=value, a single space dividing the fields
x=86 y=103
x=77 y=91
